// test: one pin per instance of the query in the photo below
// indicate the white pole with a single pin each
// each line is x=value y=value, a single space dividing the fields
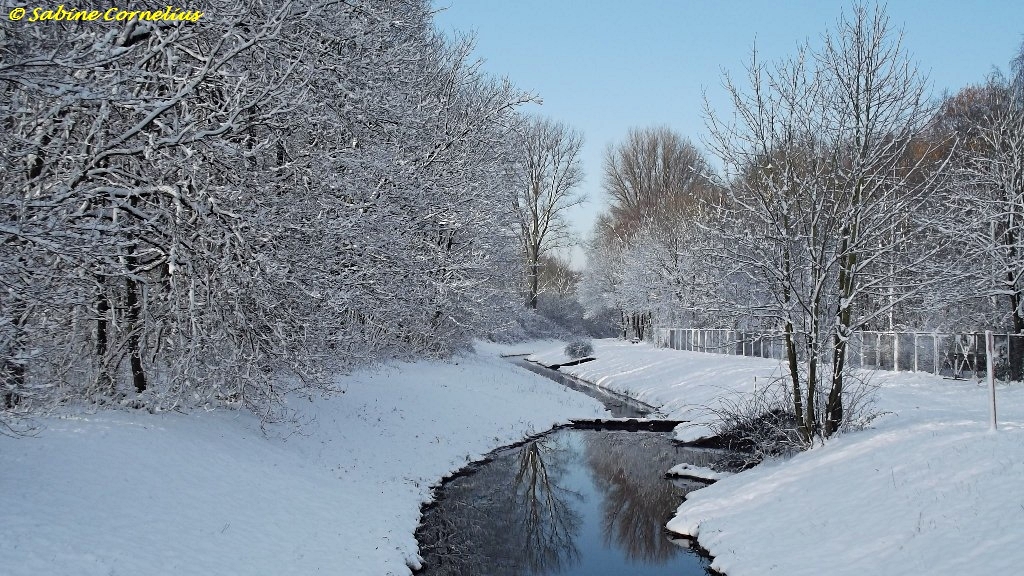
x=895 y=352
x=915 y=351
x=935 y=352
x=990 y=350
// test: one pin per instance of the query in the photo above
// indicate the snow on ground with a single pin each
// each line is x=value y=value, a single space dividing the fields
x=208 y=493
x=926 y=489
x=686 y=470
x=682 y=385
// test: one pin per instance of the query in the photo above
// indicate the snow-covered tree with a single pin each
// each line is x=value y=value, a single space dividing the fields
x=822 y=193
x=218 y=211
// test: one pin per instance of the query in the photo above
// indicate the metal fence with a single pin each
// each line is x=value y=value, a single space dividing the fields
x=955 y=355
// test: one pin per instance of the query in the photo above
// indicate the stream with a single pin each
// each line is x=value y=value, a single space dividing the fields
x=620 y=406
x=571 y=502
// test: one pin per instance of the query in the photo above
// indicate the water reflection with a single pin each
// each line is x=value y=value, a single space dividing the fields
x=512 y=516
x=635 y=500
x=546 y=523
x=575 y=502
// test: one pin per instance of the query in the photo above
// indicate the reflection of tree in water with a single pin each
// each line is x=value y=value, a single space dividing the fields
x=547 y=521
x=629 y=469
x=508 y=518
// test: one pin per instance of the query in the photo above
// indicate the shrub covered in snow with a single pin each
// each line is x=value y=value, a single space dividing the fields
x=579 y=349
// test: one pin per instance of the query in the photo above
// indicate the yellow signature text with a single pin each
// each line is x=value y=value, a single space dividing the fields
x=112 y=14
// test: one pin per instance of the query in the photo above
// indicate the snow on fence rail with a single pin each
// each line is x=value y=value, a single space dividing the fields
x=956 y=355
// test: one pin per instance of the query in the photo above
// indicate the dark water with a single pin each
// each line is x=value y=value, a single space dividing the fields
x=575 y=502
x=619 y=406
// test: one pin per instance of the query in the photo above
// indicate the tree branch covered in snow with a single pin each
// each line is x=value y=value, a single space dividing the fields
x=220 y=211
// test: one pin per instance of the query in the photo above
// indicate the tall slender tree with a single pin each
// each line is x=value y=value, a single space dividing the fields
x=548 y=176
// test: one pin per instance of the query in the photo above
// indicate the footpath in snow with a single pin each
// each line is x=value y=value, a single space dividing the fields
x=928 y=488
x=120 y=492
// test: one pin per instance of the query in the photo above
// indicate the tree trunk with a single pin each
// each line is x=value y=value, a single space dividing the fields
x=534 y=284
x=794 y=375
x=847 y=267
x=134 y=313
x=103 y=379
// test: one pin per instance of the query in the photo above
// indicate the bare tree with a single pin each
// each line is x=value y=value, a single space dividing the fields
x=548 y=176
x=823 y=191
x=654 y=175
x=657 y=181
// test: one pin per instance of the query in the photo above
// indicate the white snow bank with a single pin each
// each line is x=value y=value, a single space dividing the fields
x=682 y=385
x=208 y=493
x=927 y=490
x=686 y=470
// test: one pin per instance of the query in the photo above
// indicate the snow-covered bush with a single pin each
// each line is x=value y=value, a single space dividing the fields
x=579 y=349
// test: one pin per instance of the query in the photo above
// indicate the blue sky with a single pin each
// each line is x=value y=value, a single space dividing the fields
x=604 y=66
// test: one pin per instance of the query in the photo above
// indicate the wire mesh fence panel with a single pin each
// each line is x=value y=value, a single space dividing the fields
x=1015 y=356
x=948 y=355
x=925 y=359
x=966 y=355
x=952 y=355
x=854 y=349
x=903 y=351
x=883 y=350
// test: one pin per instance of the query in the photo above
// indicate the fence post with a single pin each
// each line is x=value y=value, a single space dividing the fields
x=878 y=350
x=861 y=334
x=935 y=352
x=915 y=351
x=990 y=349
x=976 y=348
x=895 y=352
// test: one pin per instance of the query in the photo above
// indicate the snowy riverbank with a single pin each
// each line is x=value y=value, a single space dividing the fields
x=682 y=385
x=208 y=493
x=927 y=489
